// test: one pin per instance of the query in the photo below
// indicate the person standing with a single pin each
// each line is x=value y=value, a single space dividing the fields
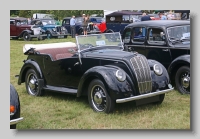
x=162 y=16
x=72 y=26
x=170 y=16
x=85 y=24
x=145 y=17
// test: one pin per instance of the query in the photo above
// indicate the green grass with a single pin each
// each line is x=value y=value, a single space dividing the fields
x=60 y=111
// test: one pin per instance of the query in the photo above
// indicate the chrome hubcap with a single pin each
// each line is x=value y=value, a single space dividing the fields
x=186 y=82
x=98 y=97
x=32 y=84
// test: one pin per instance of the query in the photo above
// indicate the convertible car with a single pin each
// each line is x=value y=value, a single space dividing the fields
x=95 y=66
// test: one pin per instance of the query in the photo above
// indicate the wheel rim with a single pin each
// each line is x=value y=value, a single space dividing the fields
x=185 y=81
x=26 y=36
x=98 y=97
x=32 y=84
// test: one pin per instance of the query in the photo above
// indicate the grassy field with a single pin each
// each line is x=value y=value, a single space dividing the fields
x=59 y=111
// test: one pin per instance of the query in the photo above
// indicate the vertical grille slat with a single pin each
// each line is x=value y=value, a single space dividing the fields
x=142 y=72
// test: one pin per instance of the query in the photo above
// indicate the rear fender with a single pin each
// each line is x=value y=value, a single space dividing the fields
x=29 y=64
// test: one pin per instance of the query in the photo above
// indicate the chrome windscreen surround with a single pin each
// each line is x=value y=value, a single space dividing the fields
x=142 y=73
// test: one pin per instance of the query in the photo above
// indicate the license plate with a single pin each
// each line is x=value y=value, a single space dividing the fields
x=60 y=36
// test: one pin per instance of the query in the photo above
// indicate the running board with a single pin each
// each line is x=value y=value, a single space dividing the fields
x=61 y=89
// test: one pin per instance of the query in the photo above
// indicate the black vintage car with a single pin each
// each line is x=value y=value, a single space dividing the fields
x=117 y=21
x=14 y=108
x=166 y=41
x=95 y=66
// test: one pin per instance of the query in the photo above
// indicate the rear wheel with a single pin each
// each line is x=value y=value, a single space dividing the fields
x=99 y=99
x=182 y=80
x=32 y=84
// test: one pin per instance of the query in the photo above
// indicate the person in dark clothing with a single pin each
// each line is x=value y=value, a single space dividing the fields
x=145 y=17
x=72 y=26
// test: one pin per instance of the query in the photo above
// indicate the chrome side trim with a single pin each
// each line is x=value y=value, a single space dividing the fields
x=143 y=96
x=15 y=121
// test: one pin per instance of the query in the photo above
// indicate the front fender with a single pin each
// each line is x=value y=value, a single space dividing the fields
x=106 y=74
x=158 y=81
x=177 y=63
x=21 y=34
x=27 y=65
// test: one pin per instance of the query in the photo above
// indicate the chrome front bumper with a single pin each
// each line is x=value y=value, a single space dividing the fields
x=143 y=96
x=16 y=121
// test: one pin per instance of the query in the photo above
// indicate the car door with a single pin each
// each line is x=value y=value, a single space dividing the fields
x=66 y=24
x=63 y=73
x=134 y=39
x=156 y=47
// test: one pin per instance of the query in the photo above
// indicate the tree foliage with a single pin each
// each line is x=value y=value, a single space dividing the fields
x=60 y=14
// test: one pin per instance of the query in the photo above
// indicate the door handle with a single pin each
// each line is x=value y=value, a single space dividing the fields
x=165 y=50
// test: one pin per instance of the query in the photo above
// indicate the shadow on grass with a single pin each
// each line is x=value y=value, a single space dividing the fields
x=119 y=108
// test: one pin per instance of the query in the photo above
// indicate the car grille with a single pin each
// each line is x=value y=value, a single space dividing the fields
x=143 y=74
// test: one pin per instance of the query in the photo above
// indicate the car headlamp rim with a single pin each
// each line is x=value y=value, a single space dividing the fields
x=158 y=69
x=120 y=75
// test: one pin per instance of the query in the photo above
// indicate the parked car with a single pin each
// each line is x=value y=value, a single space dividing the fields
x=51 y=29
x=116 y=21
x=154 y=16
x=91 y=29
x=19 y=28
x=95 y=66
x=14 y=108
x=167 y=42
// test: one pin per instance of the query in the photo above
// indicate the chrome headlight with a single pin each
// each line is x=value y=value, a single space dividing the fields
x=121 y=76
x=158 y=69
x=54 y=29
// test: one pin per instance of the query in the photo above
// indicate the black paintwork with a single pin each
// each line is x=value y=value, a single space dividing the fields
x=167 y=53
x=14 y=100
x=69 y=76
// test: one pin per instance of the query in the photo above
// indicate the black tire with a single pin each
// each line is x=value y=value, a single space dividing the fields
x=161 y=98
x=182 y=80
x=31 y=83
x=80 y=32
x=27 y=36
x=98 y=98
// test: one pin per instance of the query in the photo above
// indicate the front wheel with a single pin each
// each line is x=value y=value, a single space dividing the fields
x=27 y=36
x=182 y=80
x=32 y=84
x=98 y=98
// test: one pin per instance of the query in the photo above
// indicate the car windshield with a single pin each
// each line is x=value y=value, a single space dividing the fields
x=48 y=22
x=180 y=33
x=22 y=22
x=99 y=40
